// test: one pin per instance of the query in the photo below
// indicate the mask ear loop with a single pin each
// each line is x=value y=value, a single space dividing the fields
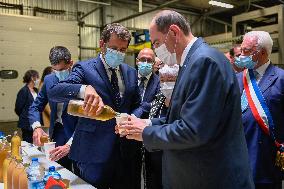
x=175 y=46
x=175 y=42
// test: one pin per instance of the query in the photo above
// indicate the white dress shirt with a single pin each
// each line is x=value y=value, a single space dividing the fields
x=186 y=50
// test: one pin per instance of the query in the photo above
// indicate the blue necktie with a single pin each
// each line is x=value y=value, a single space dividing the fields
x=142 y=86
x=115 y=88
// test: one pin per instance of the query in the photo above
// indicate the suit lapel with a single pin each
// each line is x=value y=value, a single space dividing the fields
x=149 y=88
x=266 y=81
x=268 y=78
x=194 y=47
x=102 y=72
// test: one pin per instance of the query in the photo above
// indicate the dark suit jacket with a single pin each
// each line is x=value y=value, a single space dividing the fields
x=69 y=122
x=23 y=102
x=152 y=88
x=95 y=141
x=262 y=150
x=202 y=137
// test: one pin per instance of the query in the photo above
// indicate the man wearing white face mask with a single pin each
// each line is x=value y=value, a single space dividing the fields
x=261 y=85
x=202 y=136
x=62 y=125
x=104 y=159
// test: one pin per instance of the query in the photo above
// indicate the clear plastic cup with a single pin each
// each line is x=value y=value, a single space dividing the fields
x=47 y=148
x=122 y=117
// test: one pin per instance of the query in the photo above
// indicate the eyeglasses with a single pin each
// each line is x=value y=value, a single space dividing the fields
x=148 y=60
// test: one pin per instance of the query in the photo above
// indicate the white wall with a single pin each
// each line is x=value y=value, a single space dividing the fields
x=24 y=44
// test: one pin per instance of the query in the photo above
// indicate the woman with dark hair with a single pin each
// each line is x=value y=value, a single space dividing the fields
x=25 y=98
x=48 y=70
x=46 y=112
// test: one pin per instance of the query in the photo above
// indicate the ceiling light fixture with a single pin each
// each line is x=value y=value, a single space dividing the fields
x=221 y=4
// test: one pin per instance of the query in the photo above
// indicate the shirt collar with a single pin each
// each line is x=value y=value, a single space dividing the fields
x=261 y=70
x=107 y=67
x=186 y=50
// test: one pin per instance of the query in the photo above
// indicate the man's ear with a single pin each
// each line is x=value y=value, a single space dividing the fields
x=102 y=43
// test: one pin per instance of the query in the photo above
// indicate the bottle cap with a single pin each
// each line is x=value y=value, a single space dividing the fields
x=35 y=159
x=51 y=168
x=1 y=135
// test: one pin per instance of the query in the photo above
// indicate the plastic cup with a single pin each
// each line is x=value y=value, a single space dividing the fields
x=47 y=148
x=122 y=117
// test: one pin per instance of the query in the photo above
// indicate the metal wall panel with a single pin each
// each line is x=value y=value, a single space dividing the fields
x=24 y=44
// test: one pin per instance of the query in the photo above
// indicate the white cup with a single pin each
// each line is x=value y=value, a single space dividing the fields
x=122 y=117
x=47 y=148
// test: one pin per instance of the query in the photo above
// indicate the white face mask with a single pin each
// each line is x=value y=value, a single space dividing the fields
x=165 y=55
x=36 y=83
x=167 y=89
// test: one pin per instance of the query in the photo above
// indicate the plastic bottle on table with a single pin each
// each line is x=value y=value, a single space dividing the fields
x=51 y=173
x=16 y=174
x=4 y=150
x=35 y=175
x=23 y=179
x=6 y=164
x=10 y=171
x=16 y=143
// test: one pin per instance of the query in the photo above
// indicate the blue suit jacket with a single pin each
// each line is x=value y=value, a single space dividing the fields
x=152 y=88
x=202 y=137
x=262 y=150
x=69 y=122
x=23 y=102
x=95 y=141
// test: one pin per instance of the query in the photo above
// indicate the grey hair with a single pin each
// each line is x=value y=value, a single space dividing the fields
x=166 y=18
x=121 y=31
x=263 y=40
x=59 y=53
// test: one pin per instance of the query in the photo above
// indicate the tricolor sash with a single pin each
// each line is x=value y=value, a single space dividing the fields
x=260 y=110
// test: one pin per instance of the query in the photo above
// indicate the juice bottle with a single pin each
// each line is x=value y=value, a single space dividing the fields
x=16 y=174
x=16 y=143
x=3 y=155
x=75 y=108
x=11 y=168
x=23 y=178
x=6 y=164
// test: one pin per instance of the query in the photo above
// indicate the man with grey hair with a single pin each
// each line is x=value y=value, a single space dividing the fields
x=262 y=88
x=202 y=137
x=104 y=159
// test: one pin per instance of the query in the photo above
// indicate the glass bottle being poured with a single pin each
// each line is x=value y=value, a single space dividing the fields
x=75 y=108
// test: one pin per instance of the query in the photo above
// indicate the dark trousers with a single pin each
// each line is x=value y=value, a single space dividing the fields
x=132 y=166
x=27 y=135
x=60 y=138
x=277 y=185
x=153 y=166
x=121 y=172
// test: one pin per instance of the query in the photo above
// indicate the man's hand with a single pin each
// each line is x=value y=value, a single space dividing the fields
x=38 y=132
x=93 y=103
x=59 y=152
x=133 y=128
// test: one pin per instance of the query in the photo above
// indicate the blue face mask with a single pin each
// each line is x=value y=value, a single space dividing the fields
x=62 y=75
x=114 y=58
x=144 y=68
x=245 y=62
